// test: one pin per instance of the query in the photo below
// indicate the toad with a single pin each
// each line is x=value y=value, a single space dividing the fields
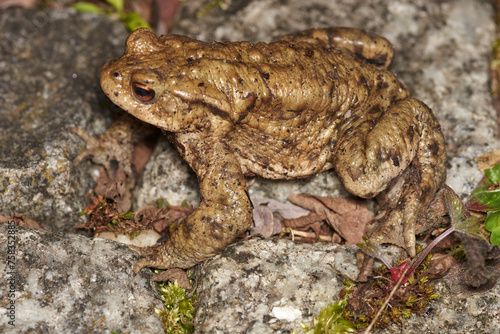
x=308 y=102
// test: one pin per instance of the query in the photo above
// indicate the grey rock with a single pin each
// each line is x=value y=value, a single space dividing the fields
x=67 y=283
x=263 y=286
x=167 y=176
x=64 y=283
x=50 y=64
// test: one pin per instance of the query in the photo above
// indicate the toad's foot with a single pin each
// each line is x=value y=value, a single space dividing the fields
x=153 y=256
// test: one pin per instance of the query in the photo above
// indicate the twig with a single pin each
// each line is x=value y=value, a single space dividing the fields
x=342 y=274
x=184 y=322
x=310 y=235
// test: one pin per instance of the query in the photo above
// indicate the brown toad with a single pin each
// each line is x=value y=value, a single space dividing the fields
x=306 y=103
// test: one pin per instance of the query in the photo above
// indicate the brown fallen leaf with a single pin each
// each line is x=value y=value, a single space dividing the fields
x=268 y=214
x=19 y=219
x=104 y=216
x=348 y=217
x=488 y=160
x=440 y=265
x=123 y=151
x=304 y=221
x=263 y=222
x=286 y=210
x=174 y=275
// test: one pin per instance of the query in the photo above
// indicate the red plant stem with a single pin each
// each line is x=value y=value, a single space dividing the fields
x=429 y=247
x=384 y=261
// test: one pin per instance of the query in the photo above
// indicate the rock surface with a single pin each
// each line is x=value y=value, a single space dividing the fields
x=257 y=286
x=50 y=81
x=72 y=284
x=63 y=283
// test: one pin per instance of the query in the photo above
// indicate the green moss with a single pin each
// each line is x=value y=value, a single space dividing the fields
x=331 y=319
x=361 y=301
x=178 y=313
x=210 y=6
x=132 y=20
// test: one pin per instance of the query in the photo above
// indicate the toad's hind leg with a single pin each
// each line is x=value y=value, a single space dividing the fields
x=374 y=49
x=405 y=141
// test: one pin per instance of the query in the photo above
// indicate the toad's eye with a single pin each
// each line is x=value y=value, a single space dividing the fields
x=143 y=93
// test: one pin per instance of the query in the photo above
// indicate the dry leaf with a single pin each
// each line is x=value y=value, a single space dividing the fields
x=267 y=214
x=311 y=221
x=123 y=150
x=488 y=160
x=19 y=219
x=263 y=222
x=304 y=221
x=286 y=210
x=173 y=275
x=348 y=217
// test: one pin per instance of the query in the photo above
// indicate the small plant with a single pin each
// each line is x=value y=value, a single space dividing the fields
x=372 y=249
x=132 y=20
x=210 y=6
x=360 y=303
x=103 y=215
x=367 y=299
x=486 y=199
x=332 y=318
x=178 y=313
x=461 y=221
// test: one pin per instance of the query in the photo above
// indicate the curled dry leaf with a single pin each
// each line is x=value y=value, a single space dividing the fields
x=264 y=222
x=348 y=217
x=440 y=265
x=488 y=160
x=173 y=275
x=267 y=214
x=19 y=219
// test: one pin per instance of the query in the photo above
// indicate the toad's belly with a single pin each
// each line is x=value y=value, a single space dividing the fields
x=284 y=153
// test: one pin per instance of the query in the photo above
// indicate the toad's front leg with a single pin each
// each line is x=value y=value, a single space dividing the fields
x=224 y=213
